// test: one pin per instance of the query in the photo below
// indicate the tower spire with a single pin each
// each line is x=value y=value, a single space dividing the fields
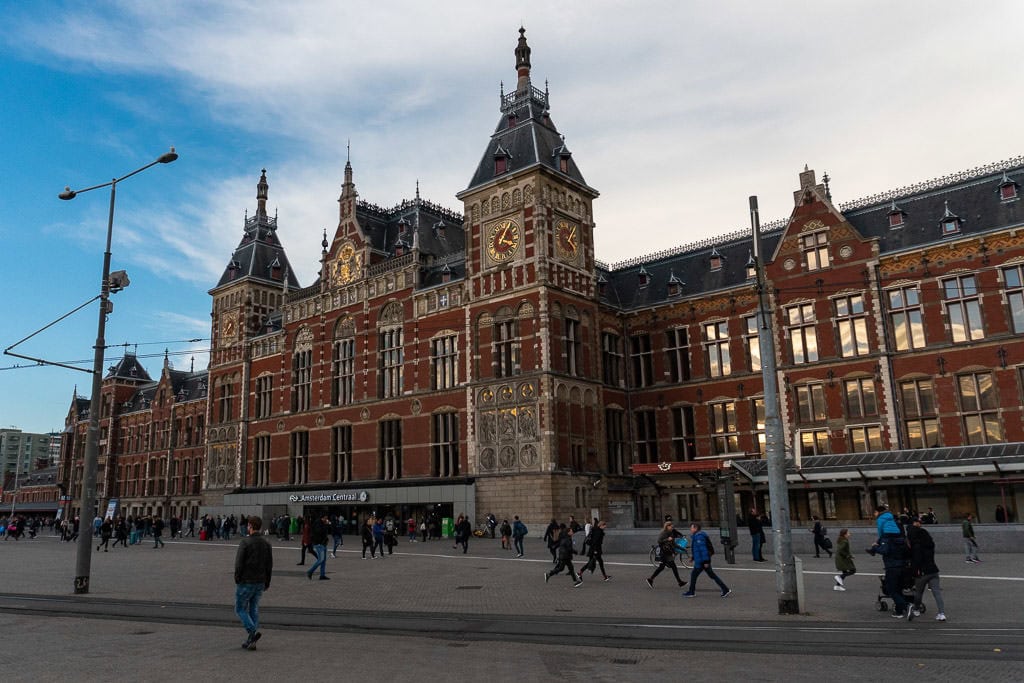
x=261 y=195
x=522 y=63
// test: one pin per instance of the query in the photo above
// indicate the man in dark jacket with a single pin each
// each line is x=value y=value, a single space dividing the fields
x=318 y=539
x=254 y=563
x=756 y=535
x=595 y=549
x=926 y=573
x=563 y=557
x=892 y=546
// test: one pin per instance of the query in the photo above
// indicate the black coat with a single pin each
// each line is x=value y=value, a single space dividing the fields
x=922 y=552
x=596 y=542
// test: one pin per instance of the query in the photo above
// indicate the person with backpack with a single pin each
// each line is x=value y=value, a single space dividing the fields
x=506 y=535
x=595 y=549
x=667 y=550
x=519 y=532
x=563 y=557
x=926 y=572
x=389 y=536
x=703 y=550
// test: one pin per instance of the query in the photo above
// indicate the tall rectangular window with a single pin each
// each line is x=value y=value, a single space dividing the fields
x=979 y=406
x=963 y=306
x=1013 y=277
x=444 y=366
x=618 y=458
x=716 y=348
x=341 y=453
x=724 y=437
x=920 y=416
x=572 y=347
x=390 y=353
x=752 y=342
x=677 y=351
x=611 y=358
x=641 y=358
x=646 y=436
x=300 y=458
x=343 y=372
x=906 y=318
x=226 y=401
x=860 y=398
x=506 y=348
x=810 y=403
x=390 y=465
x=684 y=445
x=445 y=446
x=814 y=248
x=264 y=396
x=851 y=325
x=803 y=338
x=302 y=380
x=757 y=418
x=261 y=446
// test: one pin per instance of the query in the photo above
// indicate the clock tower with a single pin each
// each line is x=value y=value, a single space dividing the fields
x=534 y=396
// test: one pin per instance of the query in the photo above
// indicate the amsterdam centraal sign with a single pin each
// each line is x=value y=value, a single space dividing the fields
x=337 y=497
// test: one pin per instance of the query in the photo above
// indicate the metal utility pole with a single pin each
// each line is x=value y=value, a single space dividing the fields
x=775 y=446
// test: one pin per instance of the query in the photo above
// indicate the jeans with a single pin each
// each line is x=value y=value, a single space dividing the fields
x=321 y=560
x=970 y=550
x=892 y=589
x=338 y=540
x=517 y=543
x=756 y=539
x=247 y=605
x=706 y=568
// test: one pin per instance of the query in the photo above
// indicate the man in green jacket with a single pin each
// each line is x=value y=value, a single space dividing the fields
x=970 y=545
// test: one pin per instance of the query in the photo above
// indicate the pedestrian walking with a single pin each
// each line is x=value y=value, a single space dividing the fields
x=254 y=565
x=318 y=540
x=595 y=549
x=970 y=543
x=158 y=532
x=821 y=541
x=307 y=542
x=892 y=546
x=106 y=531
x=463 y=530
x=121 y=533
x=926 y=572
x=551 y=537
x=563 y=557
x=844 y=560
x=519 y=532
x=410 y=527
x=378 y=537
x=667 y=552
x=702 y=552
x=337 y=534
x=506 y=535
x=366 y=534
x=756 y=535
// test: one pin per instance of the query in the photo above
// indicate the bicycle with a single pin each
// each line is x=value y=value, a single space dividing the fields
x=682 y=548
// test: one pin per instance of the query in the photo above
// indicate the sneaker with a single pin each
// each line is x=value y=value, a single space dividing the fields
x=325 y=578
x=838 y=588
x=688 y=594
x=577 y=584
x=334 y=556
x=897 y=615
x=546 y=577
x=519 y=555
x=726 y=593
x=912 y=612
x=650 y=583
x=838 y=580
x=607 y=578
x=940 y=617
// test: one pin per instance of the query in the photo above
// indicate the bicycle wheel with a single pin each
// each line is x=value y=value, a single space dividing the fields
x=684 y=560
x=655 y=560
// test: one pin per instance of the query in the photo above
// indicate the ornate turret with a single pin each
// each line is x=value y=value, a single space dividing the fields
x=522 y=63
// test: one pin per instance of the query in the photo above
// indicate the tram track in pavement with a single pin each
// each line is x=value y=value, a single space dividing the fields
x=948 y=641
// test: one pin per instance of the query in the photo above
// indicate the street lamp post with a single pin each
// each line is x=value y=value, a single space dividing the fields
x=92 y=440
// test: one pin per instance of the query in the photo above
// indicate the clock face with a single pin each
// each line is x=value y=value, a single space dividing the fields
x=227 y=331
x=503 y=240
x=567 y=239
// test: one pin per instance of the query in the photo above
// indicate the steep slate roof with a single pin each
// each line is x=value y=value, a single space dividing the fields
x=973 y=196
x=525 y=133
x=433 y=229
x=259 y=256
x=129 y=367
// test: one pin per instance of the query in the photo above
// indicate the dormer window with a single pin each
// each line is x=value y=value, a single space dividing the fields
x=715 y=261
x=399 y=248
x=439 y=228
x=751 y=267
x=402 y=225
x=512 y=120
x=563 y=164
x=446 y=274
x=950 y=222
x=896 y=215
x=501 y=158
x=1008 y=189
x=643 y=277
x=675 y=286
x=602 y=285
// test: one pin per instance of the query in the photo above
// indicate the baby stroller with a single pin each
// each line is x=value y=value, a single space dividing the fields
x=906 y=590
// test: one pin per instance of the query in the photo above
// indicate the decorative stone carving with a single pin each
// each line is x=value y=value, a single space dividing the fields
x=528 y=456
x=507 y=457
x=487 y=460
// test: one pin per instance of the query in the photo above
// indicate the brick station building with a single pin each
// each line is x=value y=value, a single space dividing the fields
x=483 y=360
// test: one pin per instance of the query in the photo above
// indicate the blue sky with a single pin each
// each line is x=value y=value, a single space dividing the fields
x=675 y=111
